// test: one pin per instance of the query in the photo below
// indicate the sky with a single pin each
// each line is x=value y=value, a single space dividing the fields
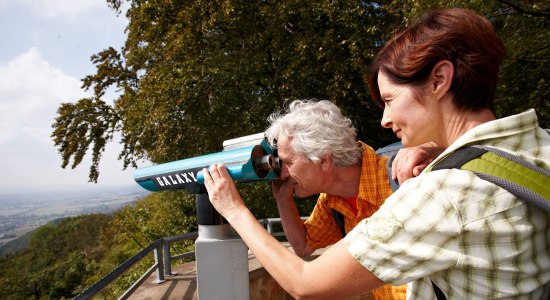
x=45 y=50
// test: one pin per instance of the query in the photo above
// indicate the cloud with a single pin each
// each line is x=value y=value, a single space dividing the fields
x=30 y=92
x=41 y=69
x=51 y=9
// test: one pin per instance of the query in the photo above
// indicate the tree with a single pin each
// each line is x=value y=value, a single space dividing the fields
x=60 y=257
x=195 y=73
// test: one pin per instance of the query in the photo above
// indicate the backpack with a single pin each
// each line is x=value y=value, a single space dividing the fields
x=521 y=178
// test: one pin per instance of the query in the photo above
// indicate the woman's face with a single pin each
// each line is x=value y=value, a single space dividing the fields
x=411 y=117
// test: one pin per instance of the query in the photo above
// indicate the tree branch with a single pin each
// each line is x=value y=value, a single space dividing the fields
x=520 y=10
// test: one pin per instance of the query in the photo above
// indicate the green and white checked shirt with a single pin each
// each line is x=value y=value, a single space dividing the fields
x=470 y=237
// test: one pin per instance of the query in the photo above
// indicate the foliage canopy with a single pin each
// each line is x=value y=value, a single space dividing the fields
x=195 y=73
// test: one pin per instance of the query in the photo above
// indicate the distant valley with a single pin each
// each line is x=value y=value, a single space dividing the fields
x=23 y=212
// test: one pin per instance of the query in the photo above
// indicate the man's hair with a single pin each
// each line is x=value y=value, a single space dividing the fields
x=316 y=128
x=460 y=36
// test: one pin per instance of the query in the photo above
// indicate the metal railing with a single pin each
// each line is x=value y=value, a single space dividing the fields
x=162 y=266
x=163 y=260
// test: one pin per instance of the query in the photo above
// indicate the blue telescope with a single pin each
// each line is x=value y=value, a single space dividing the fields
x=247 y=159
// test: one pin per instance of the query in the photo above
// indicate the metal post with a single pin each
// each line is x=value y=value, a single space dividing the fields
x=158 y=262
x=221 y=260
x=167 y=258
x=269 y=226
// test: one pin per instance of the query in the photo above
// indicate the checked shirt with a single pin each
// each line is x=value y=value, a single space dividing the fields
x=473 y=239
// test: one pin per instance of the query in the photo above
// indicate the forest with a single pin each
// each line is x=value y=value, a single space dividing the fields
x=195 y=73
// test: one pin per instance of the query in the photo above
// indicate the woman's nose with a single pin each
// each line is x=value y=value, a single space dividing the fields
x=386 y=120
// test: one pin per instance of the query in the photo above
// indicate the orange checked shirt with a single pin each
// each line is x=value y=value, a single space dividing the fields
x=374 y=187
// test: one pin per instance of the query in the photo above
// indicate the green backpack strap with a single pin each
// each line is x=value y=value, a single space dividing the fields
x=521 y=178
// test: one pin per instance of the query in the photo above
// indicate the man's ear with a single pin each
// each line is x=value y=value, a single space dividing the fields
x=326 y=162
x=442 y=77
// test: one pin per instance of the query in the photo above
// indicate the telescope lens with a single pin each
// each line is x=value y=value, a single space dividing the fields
x=264 y=163
x=276 y=165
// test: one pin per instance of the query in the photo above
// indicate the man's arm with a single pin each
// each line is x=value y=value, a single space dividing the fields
x=293 y=225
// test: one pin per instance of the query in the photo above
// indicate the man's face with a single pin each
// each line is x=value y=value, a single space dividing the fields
x=304 y=174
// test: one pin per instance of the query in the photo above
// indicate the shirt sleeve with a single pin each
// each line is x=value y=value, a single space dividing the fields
x=321 y=228
x=413 y=234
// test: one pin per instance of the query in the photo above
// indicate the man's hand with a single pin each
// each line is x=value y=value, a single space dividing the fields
x=222 y=191
x=283 y=189
x=411 y=161
x=293 y=225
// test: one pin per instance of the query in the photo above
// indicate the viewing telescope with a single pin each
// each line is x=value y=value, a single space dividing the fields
x=247 y=159
x=221 y=259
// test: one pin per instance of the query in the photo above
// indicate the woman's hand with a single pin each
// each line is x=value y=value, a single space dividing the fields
x=411 y=161
x=222 y=191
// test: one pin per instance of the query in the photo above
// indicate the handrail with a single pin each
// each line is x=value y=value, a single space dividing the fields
x=156 y=247
x=162 y=265
x=168 y=258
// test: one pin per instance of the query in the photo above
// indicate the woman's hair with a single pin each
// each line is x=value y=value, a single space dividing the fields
x=460 y=36
x=316 y=128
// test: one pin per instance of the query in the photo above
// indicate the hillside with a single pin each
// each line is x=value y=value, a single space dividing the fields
x=65 y=257
x=62 y=257
x=21 y=242
x=24 y=212
x=17 y=244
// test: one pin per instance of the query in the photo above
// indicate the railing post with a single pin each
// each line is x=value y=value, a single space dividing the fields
x=221 y=260
x=269 y=226
x=158 y=262
x=167 y=258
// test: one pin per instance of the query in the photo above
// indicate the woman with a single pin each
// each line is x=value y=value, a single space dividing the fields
x=445 y=230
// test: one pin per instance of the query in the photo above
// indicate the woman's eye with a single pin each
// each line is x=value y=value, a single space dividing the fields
x=387 y=101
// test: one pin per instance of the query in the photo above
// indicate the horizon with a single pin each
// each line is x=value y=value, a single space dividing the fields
x=64 y=193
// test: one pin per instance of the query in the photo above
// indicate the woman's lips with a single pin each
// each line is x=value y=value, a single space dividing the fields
x=397 y=133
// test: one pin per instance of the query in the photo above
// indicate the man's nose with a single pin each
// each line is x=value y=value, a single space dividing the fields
x=284 y=172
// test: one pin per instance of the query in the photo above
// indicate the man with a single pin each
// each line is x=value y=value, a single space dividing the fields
x=319 y=154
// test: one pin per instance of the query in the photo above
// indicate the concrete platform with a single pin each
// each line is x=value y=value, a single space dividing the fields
x=183 y=286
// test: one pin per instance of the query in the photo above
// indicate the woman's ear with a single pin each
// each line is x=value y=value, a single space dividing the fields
x=442 y=77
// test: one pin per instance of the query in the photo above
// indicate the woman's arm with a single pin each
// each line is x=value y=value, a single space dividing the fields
x=335 y=274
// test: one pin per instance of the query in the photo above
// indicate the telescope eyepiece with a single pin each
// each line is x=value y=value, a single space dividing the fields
x=265 y=164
